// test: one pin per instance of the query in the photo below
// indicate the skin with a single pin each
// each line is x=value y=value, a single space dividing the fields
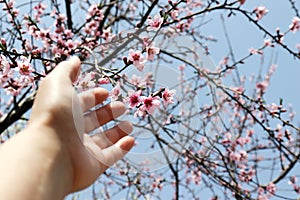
x=53 y=156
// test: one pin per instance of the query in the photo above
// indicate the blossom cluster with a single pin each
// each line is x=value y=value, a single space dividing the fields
x=17 y=75
x=148 y=104
x=144 y=104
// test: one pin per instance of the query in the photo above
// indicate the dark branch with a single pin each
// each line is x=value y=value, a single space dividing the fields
x=17 y=112
x=69 y=14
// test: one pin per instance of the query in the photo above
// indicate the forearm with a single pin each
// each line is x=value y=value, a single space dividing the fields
x=34 y=166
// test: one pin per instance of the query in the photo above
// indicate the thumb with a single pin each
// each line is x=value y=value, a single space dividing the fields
x=69 y=69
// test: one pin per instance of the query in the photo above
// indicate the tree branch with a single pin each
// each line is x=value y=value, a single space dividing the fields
x=69 y=14
x=17 y=112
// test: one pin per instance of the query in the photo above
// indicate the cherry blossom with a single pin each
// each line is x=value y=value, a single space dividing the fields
x=137 y=81
x=39 y=8
x=295 y=26
x=268 y=42
x=155 y=23
x=174 y=14
x=115 y=92
x=271 y=187
x=262 y=86
x=86 y=81
x=134 y=98
x=137 y=58
x=24 y=65
x=255 y=51
x=103 y=80
x=260 y=11
x=168 y=97
x=151 y=52
x=149 y=105
x=5 y=71
x=246 y=174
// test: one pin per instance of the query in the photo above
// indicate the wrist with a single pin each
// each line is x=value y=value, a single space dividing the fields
x=51 y=163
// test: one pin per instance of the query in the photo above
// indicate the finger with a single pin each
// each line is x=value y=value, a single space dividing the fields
x=111 y=136
x=67 y=70
x=107 y=157
x=91 y=98
x=103 y=115
x=116 y=152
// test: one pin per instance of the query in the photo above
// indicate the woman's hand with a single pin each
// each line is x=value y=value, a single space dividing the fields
x=56 y=136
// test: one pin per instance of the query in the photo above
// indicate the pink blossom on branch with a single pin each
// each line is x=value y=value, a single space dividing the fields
x=103 y=81
x=271 y=187
x=168 y=97
x=24 y=66
x=40 y=9
x=115 y=92
x=133 y=98
x=155 y=23
x=295 y=26
x=246 y=174
x=5 y=71
x=151 y=52
x=260 y=11
x=149 y=105
x=255 y=51
x=86 y=81
x=137 y=58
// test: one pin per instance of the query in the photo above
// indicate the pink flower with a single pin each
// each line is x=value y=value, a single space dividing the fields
x=255 y=51
x=134 y=98
x=262 y=86
x=4 y=65
x=246 y=175
x=155 y=23
x=268 y=42
x=151 y=52
x=107 y=34
x=40 y=8
x=295 y=26
x=137 y=81
x=103 y=81
x=115 y=92
x=243 y=156
x=168 y=97
x=174 y=14
x=181 y=67
x=137 y=58
x=271 y=187
x=95 y=13
x=149 y=105
x=260 y=11
x=24 y=65
x=86 y=81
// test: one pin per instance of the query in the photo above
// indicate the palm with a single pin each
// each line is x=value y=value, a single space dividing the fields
x=104 y=148
x=67 y=114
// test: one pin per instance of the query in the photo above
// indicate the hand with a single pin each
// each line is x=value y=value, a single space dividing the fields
x=58 y=114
